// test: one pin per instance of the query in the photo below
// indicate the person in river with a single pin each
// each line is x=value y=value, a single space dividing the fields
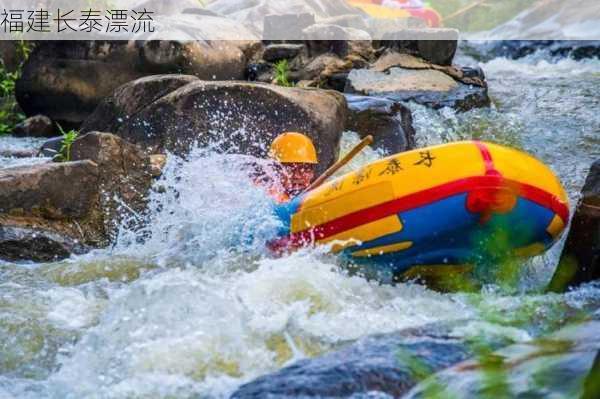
x=295 y=157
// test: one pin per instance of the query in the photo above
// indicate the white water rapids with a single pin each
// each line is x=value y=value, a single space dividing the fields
x=188 y=313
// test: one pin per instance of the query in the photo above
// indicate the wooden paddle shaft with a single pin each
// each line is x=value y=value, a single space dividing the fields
x=342 y=162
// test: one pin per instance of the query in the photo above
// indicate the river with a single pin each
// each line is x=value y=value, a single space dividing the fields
x=188 y=313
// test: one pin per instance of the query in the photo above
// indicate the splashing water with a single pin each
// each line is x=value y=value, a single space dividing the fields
x=193 y=305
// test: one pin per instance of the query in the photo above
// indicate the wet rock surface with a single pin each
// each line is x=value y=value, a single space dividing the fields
x=35 y=244
x=580 y=260
x=389 y=364
x=66 y=80
x=437 y=46
x=51 y=190
x=429 y=87
x=389 y=122
x=239 y=117
x=35 y=126
x=558 y=366
x=62 y=208
x=515 y=49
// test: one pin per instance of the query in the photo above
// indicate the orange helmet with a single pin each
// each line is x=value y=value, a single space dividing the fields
x=292 y=147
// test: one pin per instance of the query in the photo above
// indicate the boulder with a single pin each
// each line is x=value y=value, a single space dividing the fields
x=66 y=80
x=51 y=210
x=233 y=116
x=35 y=126
x=431 y=87
x=389 y=122
x=56 y=191
x=283 y=51
x=125 y=178
x=580 y=259
x=35 y=244
x=437 y=46
x=388 y=364
x=562 y=365
x=323 y=38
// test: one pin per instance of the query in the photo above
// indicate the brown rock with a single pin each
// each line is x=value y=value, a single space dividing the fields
x=125 y=175
x=242 y=116
x=66 y=80
x=52 y=191
x=437 y=46
x=580 y=260
x=46 y=209
x=35 y=126
x=157 y=164
x=392 y=59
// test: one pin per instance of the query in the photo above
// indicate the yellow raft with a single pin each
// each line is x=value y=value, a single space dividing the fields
x=449 y=204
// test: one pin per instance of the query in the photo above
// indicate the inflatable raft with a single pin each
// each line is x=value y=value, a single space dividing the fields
x=376 y=9
x=451 y=204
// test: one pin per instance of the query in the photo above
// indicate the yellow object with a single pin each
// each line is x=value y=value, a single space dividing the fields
x=292 y=147
x=385 y=249
x=366 y=232
x=378 y=11
x=433 y=206
x=557 y=226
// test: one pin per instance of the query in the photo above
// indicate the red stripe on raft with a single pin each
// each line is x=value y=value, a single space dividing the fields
x=488 y=161
x=416 y=200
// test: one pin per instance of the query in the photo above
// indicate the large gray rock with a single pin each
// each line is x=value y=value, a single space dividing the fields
x=580 y=260
x=51 y=210
x=437 y=46
x=66 y=80
x=389 y=364
x=557 y=366
x=431 y=87
x=173 y=113
x=389 y=122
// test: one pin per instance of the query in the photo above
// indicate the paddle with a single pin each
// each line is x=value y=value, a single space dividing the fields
x=339 y=164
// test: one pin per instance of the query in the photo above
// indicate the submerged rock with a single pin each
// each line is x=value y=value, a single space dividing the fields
x=35 y=126
x=580 y=260
x=174 y=112
x=389 y=364
x=63 y=208
x=35 y=244
x=556 y=366
x=389 y=122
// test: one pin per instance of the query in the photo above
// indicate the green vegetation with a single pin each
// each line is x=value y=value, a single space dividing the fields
x=10 y=114
x=282 y=71
x=69 y=137
x=477 y=15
